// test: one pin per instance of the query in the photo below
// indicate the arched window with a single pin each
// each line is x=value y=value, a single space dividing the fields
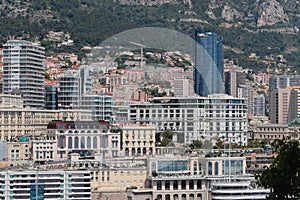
x=70 y=142
x=200 y=168
x=89 y=142
x=209 y=168
x=61 y=141
x=126 y=152
x=82 y=142
x=76 y=143
x=216 y=168
x=139 y=151
x=95 y=141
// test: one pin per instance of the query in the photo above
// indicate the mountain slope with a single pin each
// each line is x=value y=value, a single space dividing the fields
x=262 y=26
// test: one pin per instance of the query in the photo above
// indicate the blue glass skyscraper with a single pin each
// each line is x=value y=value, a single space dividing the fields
x=209 y=66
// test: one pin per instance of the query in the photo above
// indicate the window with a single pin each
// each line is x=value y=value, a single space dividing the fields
x=89 y=142
x=216 y=168
x=82 y=142
x=158 y=185
x=70 y=142
x=76 y=141
x=95 y=146
x=209 y=168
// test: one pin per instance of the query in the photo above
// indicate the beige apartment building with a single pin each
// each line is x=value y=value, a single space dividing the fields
x=138 y=139
x=121 y=174
x=18 y=151
x=270 y=132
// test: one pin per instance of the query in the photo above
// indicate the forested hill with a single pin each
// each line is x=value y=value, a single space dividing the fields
x=261 y=26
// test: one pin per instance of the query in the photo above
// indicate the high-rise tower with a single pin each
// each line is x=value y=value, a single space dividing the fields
x=23 y=70
x=209 y=67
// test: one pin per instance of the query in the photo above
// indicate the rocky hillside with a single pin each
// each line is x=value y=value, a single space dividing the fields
x=262 y=26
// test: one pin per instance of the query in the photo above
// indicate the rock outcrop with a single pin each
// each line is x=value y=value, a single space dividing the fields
x=271 y=12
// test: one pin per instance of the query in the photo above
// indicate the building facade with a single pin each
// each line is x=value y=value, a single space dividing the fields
x=209 y=67
x=174 y=177
x=40 y=184
x=82 y=137
x=18 y=151
x=234 y=77
x=195 y=118
x=23 y=69
x=138 y=139
x=9 y=100
x=44 y=150
x=100 y=104
x=283 y=82
x=259 y=105
x=283 y=105
x=51 y=97
x=15 y=123
x=69 y=90
x=247 y=92
x=271 y=132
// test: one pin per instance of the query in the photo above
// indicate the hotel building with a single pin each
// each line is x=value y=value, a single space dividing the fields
x=195 y=118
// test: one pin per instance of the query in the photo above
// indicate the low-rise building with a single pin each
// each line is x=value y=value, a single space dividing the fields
x=270 y=132
x=44 y=149
x=18 y=151
x=83 y=137
x=257 y=161
x=119 y=174
x=17 y=122
x=138 y=139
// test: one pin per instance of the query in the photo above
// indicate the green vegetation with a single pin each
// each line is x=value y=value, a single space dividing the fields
x=196 y=144
x=164 y=138
x=89 y=22
x=282 y=177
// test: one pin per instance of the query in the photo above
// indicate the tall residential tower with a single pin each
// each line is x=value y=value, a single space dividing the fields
x=23 y=70
x=209 y=67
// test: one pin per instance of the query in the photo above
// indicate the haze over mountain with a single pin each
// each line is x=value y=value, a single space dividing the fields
x=262 y=26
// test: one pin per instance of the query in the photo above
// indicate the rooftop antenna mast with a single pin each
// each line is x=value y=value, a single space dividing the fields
x=142 y=48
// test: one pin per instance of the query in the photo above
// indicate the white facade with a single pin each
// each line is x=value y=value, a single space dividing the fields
x=35 y=184
x=23 y=69
x=86 y=138
x=100 y=105
x=195 y=118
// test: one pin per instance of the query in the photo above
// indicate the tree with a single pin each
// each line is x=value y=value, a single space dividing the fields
x=166 y=137
x=196 y=144
x=282 y=177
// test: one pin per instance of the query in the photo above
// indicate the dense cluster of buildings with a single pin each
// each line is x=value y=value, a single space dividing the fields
x=74 y=131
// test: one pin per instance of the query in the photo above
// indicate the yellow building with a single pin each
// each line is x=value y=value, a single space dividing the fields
x=120 y=174
x=17 y=122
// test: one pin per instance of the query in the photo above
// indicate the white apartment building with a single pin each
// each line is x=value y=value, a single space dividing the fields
x=35 y=184
x=23 y=69
x=100 y=104
x=195 y=118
